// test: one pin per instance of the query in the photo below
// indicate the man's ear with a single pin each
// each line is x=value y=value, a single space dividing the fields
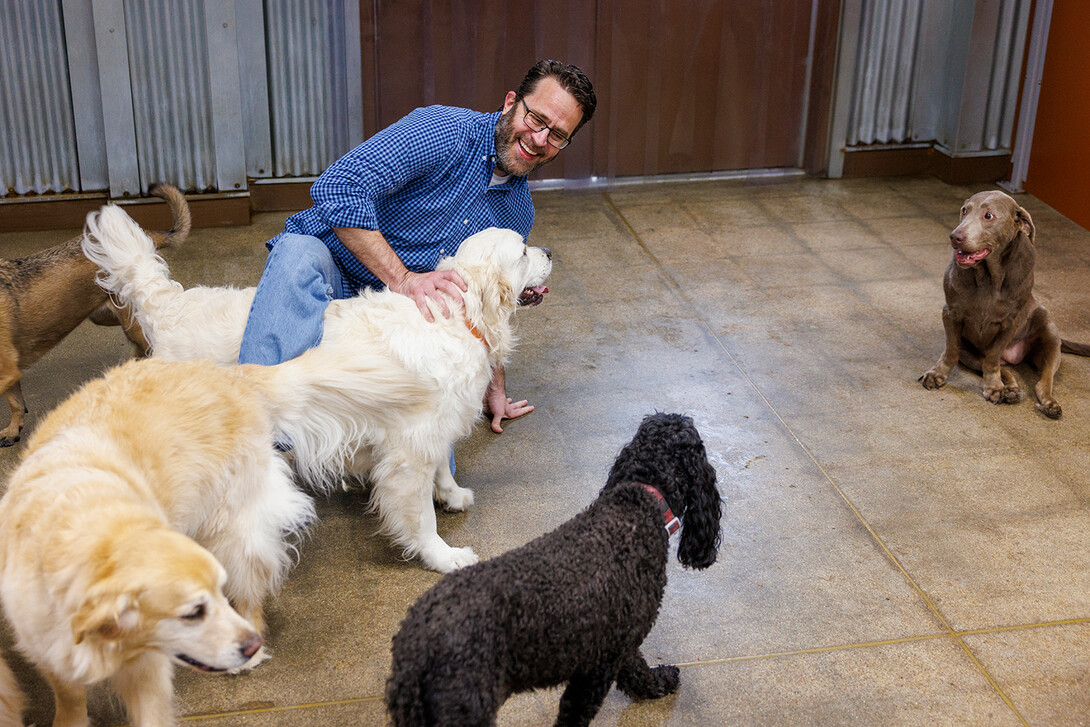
x=509 y=100
x=105 y=616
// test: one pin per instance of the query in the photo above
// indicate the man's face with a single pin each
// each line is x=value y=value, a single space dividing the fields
x=521 y=150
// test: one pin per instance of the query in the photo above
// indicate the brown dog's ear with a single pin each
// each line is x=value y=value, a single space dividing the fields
x=107 y=617
x=1026 y=223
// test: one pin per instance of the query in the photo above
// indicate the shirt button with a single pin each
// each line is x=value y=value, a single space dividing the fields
x=441 y=251
x=465 y=222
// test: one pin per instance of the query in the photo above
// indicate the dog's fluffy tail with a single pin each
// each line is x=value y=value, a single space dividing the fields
x=331 y=400
x=11 y=698
x=129 y=268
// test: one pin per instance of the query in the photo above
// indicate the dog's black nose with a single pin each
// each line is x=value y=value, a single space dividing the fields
x=957 y=237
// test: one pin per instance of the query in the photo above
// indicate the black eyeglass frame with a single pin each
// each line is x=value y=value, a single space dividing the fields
x=549 y=139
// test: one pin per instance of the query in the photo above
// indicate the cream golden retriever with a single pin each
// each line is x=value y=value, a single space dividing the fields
x=403 y=448
x=144 y=503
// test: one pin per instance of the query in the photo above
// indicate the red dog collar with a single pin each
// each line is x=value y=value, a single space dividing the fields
x=671 y=521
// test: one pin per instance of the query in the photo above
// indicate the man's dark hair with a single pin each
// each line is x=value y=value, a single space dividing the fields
x=570 y=78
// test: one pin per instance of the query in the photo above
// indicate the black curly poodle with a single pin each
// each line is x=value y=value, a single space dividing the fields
x=571 y=606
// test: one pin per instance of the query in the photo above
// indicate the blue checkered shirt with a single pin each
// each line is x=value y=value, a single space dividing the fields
x=422 y=182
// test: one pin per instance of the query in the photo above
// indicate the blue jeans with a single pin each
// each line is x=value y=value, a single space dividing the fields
x=299 y=281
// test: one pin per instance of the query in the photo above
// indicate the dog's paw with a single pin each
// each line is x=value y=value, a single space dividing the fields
x=1013 y=395
x=994 y=394
x=452 y=560
x=456 y=498
x=1051 y=409
x=932 y=380
x=665 y=680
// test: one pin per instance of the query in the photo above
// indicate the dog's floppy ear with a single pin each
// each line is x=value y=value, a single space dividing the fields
x=106 y=616
x=1024 y=221
x=700 y=523
x=498 y=297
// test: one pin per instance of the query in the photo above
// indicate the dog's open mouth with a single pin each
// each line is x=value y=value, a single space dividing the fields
x=199 y=666
x=969 y=259
x=533 y=296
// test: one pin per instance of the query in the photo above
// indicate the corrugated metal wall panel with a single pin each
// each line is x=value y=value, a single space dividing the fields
x=38 y=143
x=1006 y=74
x=307 y=84
x=172 y=104
x=898 y=58
x=881 y=112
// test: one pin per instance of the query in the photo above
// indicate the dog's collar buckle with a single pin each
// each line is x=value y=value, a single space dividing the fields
x=670 y=519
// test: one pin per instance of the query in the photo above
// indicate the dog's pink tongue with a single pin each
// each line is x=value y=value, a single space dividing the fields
x=971 y=257
x=540 y=289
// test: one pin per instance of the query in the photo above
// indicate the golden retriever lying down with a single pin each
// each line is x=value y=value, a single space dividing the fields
x=402 y=448
x=113 y=529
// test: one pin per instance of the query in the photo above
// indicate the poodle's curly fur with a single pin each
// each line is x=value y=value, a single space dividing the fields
x=572 y=606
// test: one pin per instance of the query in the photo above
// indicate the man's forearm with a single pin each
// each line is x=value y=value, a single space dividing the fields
x=371 y=249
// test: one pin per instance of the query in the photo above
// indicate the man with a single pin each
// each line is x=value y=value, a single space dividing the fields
x=386 y=212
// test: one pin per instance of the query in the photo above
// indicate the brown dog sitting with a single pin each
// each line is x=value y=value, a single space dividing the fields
x=44 y=296
x=991 y=317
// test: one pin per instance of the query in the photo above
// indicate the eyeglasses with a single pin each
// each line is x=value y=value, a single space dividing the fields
x=536 y=124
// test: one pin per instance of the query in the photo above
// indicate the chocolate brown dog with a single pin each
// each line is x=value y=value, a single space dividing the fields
x=991 y=317
x=44 y=296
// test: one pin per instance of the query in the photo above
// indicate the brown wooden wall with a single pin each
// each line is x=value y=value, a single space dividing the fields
x=1059 y=162
x=684 y=86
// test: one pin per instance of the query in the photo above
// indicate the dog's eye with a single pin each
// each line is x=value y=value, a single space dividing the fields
x=197 y=614
x=988 y=215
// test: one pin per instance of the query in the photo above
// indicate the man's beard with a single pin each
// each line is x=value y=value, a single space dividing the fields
x=507 y=163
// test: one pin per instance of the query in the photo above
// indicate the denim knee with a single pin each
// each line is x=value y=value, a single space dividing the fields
x=299 y=280
x=304 y=263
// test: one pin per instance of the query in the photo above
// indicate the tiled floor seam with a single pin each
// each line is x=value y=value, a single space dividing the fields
x=277 y=709
x=956 y=635
x=859 y=516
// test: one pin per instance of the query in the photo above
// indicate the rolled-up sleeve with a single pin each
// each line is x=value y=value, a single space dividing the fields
x=417 y=145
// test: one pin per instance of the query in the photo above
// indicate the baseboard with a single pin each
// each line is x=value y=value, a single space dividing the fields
x=274 y=195
x=64 y=211
x=913 y=160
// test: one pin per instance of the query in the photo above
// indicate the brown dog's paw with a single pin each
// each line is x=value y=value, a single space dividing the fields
x=932 y=380
x=1013 y=395
x=1051 y=409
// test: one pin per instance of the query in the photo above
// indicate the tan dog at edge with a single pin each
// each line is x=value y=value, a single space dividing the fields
x=991 y=317
x=142 y=504
x=44 y=296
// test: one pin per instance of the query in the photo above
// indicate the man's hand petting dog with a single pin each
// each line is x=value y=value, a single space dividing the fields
x=422 y=286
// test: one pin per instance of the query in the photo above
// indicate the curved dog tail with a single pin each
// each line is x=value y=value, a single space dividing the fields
x=182 y=220
x=11 y=698
x=1079 y=349
x=130 y=270
x=330 y=401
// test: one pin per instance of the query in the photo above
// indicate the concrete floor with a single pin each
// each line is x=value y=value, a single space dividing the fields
x=891 y=555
